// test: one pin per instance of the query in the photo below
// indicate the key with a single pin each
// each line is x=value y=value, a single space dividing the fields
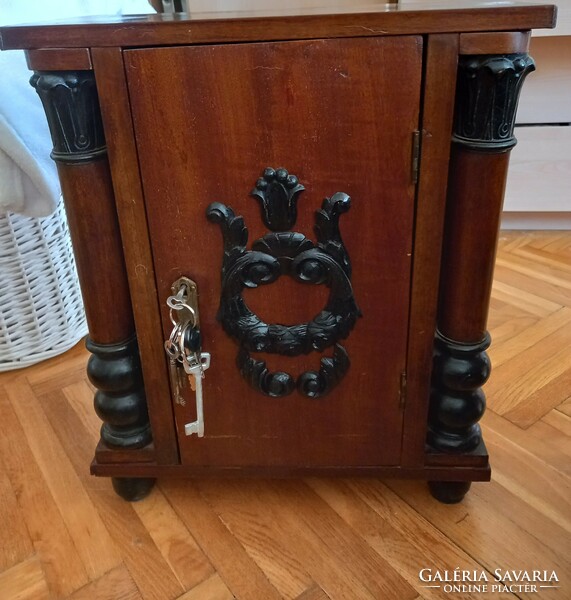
x=195 y=370
x=175 y=378
x=182 y=383
x=177 y=382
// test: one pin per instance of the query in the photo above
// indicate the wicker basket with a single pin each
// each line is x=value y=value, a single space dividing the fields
x=41 y=310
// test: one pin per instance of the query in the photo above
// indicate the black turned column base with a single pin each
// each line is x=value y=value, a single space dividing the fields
x=115 y=370
x=449 y=492
x=132 y=489
x=457 y=401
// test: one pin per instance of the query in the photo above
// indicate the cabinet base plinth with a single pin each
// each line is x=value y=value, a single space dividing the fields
x=427 y=473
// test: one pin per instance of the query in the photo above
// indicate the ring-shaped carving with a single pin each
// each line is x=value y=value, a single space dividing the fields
x=294 y=255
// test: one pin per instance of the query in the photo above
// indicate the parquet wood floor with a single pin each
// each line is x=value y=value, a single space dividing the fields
x=64 y=534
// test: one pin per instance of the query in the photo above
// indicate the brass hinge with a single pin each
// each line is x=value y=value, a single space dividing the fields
x=402 y=390
x=415 y=156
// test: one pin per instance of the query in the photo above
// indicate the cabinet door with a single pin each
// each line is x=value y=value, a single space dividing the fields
x=340 y=116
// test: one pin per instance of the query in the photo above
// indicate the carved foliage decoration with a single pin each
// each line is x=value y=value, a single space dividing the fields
x=287 y=253
x=313 y=384
x=72 y=109
x=486 y=100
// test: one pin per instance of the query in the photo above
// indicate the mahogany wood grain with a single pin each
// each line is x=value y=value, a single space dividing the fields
x=476 y=187
x=436 y=125
x=215 y=27
x=115 y=112
x=98 y=250
x=59 y=59
x=335 y=130
x=507 y=42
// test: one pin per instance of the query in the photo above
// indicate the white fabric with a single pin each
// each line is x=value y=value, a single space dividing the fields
x=28 y=178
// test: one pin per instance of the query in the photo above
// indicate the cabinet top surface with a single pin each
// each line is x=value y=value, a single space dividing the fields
x=285 y=20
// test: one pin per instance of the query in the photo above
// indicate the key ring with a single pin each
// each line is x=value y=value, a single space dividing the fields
x=172 y=350
x=171 y=347
x=181 y=306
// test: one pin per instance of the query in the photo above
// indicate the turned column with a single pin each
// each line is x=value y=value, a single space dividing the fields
x=487 y=93
x=72 y=109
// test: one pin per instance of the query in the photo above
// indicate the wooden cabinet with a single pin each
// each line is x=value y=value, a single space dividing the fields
x=332 y=185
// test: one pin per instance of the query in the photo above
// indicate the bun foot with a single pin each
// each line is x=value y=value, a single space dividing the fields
x=449 y=492
x=132 y=489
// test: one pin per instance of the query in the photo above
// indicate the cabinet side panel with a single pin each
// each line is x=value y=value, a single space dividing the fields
x=339 y=114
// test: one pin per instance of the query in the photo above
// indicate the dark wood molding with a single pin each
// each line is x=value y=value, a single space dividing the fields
x=226 y=27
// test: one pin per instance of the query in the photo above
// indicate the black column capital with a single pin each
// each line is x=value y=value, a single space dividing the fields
x=72 y=108
x=487 y=96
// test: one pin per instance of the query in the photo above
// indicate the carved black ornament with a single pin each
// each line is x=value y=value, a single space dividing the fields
x=486 y=100
x=277 y=192
x=287 y=253
x=72 y=108
x=313 y=384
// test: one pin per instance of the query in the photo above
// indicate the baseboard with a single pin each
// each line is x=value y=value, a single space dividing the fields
x=536 y=220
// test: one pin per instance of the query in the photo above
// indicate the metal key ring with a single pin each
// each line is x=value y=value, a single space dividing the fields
x=171 y=347
x=179 y=307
